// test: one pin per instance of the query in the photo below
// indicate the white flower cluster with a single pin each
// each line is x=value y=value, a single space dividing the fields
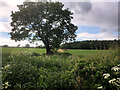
x=5 y=86
x=115 y=81
x=100 y=87
x=112 y=80
x=106 y=75
x=116 y=68
x=7 y=66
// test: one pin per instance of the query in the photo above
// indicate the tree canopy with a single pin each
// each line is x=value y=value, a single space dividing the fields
x=45 y=21
x=27 y=45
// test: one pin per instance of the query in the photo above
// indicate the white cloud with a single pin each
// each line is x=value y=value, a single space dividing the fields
x=102 y=14
x=9 y=42
x=99 y=36
x=87 y=0
x=6 y=6
x=5 y=27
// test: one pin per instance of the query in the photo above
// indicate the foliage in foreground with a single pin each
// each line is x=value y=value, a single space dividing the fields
x=24 y=71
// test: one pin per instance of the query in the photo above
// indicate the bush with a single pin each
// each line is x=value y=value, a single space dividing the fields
x=92 y=71
x=43 y=72
x=22 y=70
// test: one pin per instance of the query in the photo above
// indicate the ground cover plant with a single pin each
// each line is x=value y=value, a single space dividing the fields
x=22 y=70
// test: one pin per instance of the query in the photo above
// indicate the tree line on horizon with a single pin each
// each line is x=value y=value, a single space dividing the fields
x=88 y=44
x=91 y=44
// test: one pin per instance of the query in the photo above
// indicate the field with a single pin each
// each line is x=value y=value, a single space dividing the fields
x=29 y=68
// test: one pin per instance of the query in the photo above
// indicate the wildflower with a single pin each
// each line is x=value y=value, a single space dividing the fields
x=106 y=75
x=6 y=83
x=100 y=87
x=117 y=84
x=118 y=65
x=115 y=81
x=10 y=72
x=7 y=66
x=112 y=80
x=115 y=68
x=118 y=79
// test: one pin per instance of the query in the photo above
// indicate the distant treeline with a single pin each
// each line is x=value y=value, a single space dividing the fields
x=91 y=44
x=26 y=46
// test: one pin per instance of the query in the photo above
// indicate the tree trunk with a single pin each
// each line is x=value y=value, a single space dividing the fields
x=47 y=45
x=48 y=49
x=48 y=52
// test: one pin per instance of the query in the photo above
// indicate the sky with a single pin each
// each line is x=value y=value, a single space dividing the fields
x=96 y=20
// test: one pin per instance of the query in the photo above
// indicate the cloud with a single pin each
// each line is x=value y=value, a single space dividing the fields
x=110 y=30
x=5 y=27
x=9 y=42
x=6 y=9
x=87 y=0
x=79 y=7
x=3 y=4
x=6 y=6
x=102 y=14
x=99 y=36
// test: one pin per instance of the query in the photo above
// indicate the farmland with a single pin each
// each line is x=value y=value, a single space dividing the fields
x=72 y=69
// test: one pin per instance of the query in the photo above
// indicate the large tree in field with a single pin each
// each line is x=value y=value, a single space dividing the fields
x=45 y=21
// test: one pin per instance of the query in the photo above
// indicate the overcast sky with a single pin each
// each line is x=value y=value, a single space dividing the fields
x=95 y=20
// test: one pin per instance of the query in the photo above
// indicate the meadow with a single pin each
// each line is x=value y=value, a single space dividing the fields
x=71 y=69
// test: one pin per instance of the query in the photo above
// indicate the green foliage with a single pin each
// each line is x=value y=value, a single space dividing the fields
x=91 y=69
x=27 y=45
x=114 y=77
x=21 y=70
x=91 y=44
x=46 y=21
x=5 y=46
x=24 y=71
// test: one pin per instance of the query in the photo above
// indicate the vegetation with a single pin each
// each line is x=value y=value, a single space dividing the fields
x=27 y=45
x=50 y=23
x=18 y=45
x=67 y=68
x=22 y=70
x=5 y=46
x=91 y=44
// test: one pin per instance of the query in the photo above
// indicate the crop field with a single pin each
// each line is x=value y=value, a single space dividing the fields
x=30 y=68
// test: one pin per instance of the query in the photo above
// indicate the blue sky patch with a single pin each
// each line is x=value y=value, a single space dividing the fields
x=4 y=35
x=88 y=29
x=4 y=19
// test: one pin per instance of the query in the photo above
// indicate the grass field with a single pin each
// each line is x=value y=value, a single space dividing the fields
x=76 y=52
x=84 y=69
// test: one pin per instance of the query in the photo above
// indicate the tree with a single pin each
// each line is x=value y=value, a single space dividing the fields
x=46 y=21
x=27 y=45
x=18 y=45
x=5 y=45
